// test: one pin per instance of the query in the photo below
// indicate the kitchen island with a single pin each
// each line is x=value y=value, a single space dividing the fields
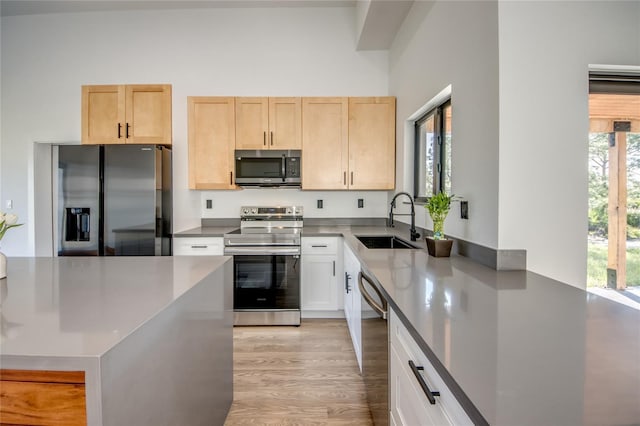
x=152 y=336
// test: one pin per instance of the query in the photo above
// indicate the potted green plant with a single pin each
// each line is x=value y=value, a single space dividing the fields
x=438 y=207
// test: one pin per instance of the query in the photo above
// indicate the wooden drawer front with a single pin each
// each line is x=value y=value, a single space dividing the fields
x=447 y=408
x=319 y=245
x=198 y=246
x=29 y=402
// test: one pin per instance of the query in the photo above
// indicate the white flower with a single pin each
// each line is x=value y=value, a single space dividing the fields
x=7 y=221
x=11 y=219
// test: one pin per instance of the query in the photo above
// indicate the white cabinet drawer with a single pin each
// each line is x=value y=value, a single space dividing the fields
x=320 y=245
x=198 y=246
x=405 y=386
x=409 y=404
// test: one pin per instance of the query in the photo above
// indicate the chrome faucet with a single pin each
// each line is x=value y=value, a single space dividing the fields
x=413 y=233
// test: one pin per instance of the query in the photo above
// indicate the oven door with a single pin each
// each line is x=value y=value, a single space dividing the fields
x=266 y=281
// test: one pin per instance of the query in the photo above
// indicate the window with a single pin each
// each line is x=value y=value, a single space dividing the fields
x=433 y=152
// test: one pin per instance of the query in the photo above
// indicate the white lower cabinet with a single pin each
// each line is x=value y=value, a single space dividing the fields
x=409 y=404
x=198 y=246
x=352 y=301
x=321 y=273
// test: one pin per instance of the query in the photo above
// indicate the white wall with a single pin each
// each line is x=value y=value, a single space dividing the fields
x=545 y=50
x=453 y=43
x=260 y=52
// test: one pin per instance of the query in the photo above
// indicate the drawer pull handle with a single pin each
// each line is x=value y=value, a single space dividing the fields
x=428 y=392
x=319 y=245
x=334 y=268
x=199 y=247
x=347 y=277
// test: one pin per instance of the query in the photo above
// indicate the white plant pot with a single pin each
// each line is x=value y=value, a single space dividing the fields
x=3 y=265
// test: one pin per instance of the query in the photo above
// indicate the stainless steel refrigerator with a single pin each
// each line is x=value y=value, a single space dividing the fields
x=112 y=200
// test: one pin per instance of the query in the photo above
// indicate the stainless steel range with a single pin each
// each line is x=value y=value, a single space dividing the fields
x=266 y=265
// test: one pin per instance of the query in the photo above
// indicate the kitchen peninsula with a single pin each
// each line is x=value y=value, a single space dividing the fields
x=514 y=347
x=152 y=336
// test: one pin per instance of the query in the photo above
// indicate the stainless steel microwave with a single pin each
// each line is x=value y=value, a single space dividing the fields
x=268 y=168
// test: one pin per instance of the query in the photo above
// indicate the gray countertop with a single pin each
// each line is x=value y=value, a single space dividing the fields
x=83 y=306
x=524 y=349
x=206 y=231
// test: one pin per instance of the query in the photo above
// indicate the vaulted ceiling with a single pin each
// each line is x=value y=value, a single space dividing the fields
x=377 y=21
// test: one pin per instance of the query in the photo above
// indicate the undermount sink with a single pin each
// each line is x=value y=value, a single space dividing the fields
x=385 y=242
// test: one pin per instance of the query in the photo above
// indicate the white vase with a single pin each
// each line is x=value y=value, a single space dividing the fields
x=3 y=265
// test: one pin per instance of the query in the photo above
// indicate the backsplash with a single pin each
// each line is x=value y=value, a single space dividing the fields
x=226 y=204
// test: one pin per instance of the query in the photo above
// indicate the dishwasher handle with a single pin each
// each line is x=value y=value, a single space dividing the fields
x=381 y=310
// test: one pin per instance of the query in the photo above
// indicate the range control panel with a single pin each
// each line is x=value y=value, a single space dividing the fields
x=274 y=211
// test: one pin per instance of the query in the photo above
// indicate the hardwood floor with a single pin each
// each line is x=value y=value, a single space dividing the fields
x=305 y=375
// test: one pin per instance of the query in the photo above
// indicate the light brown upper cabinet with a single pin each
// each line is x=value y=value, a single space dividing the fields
x=372 y=148
x=268 y=123
x=348 y=143
x=212 y=132
x=325 y=148
x=134 y=113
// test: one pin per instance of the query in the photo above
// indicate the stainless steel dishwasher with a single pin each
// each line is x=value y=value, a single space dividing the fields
x=375 y=349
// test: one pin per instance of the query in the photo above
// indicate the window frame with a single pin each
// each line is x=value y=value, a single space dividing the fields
x=439 y=166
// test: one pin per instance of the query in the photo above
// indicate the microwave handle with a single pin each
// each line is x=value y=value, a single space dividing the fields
x=284 y=169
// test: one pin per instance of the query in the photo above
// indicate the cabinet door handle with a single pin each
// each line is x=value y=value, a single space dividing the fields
x=344 y=178
x=318 y=245
x=271 y=138
x=230 y=178
x=199 y=247
x=119 y=130
x=334 y=268
x=351 y=178
x=428 y=392
x=347 y=277
x=264 y=138
x=126 y=135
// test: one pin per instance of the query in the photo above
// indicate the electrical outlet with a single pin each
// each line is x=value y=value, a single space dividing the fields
x=209 y=204
x=360 y=203
x=319 y=204
x=464 y=210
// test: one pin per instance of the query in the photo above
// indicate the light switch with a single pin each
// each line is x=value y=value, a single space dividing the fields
x=9 y=204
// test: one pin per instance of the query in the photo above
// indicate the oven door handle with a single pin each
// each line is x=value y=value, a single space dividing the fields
x=258 y=244
x=281 y=251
